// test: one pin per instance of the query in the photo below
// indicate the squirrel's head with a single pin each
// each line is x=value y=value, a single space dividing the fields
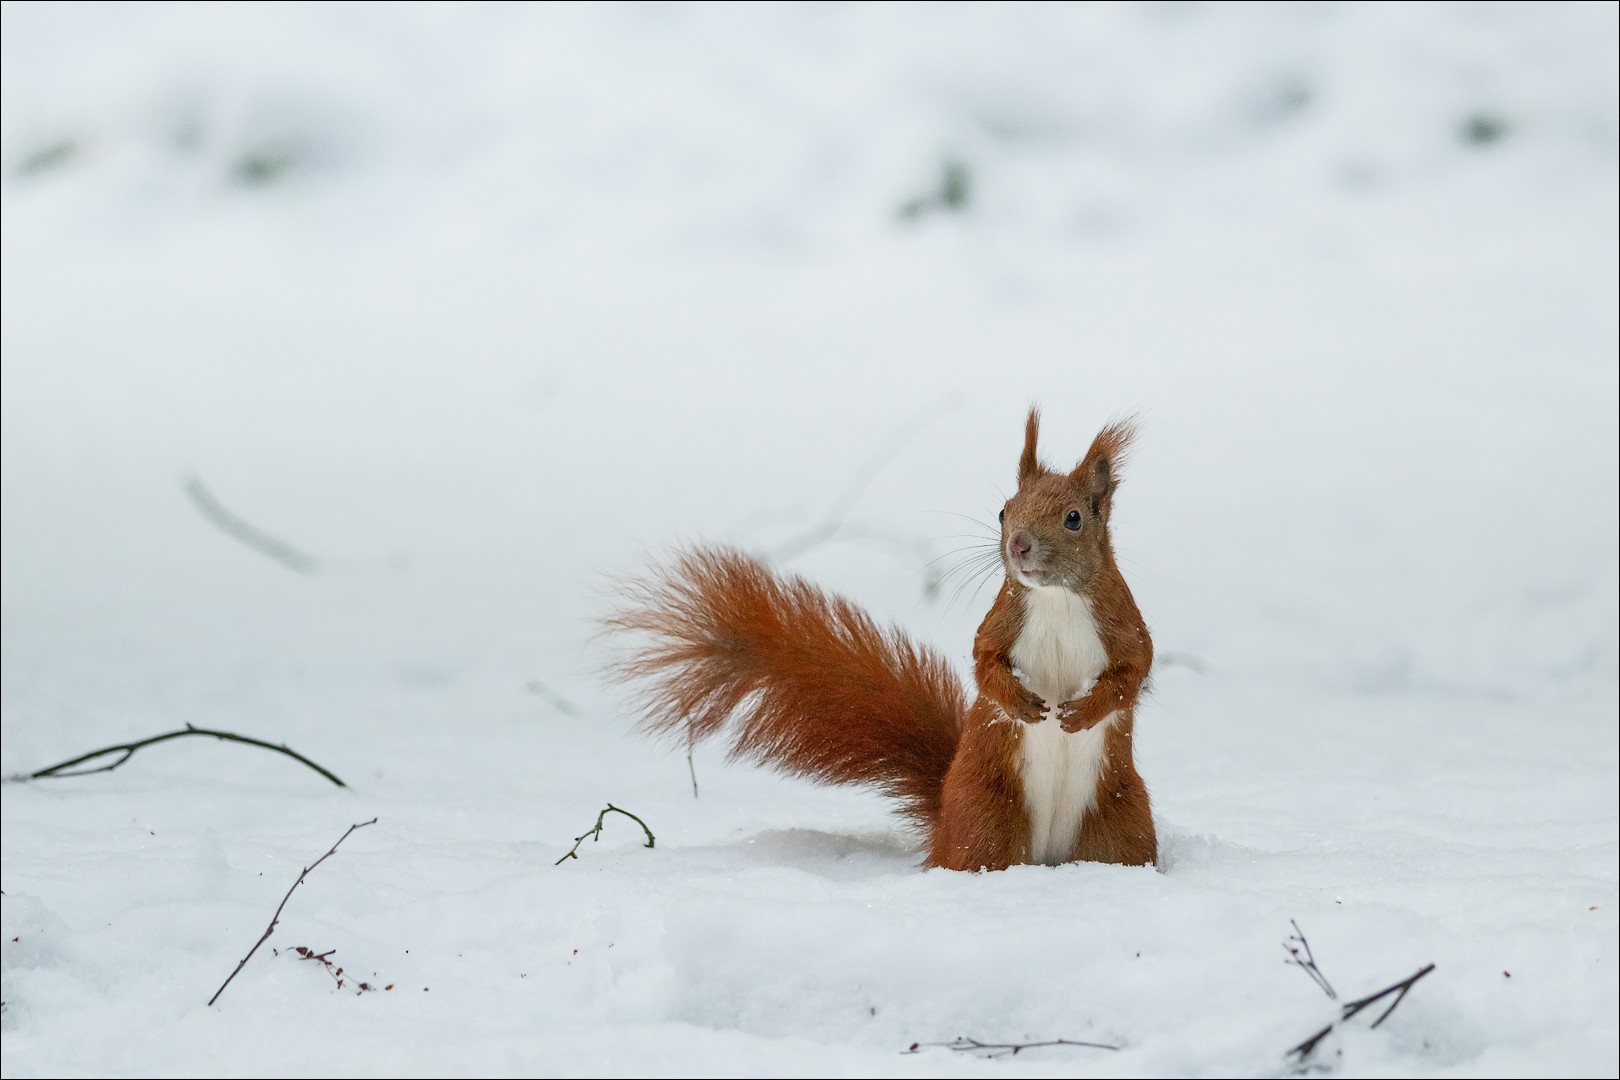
x=1054 y=531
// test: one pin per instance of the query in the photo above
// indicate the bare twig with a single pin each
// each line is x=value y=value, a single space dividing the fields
x=306 y=953
x=557 y=701
x=277 y=916
x=595 y=833
x=833 y=520
x=1404 y=986
x=965 y=1044
x=1304 y=1049
x=1299 y=953
x=691 y=768
x=234 y=527
x=128 y=749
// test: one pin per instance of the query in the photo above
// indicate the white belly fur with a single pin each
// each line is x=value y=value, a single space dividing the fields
x=1058 y=656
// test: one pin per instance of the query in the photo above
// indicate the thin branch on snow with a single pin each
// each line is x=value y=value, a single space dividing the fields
x=234 y=527
x=1296 y=945
x=556 y=700
x=691 y=768
x=277 y=916
x=1304 y=1049
x=128 y=749
x=963 y=1044
x=1404 y=986
x=595 y=832
x=306 y=953
x=833 y=523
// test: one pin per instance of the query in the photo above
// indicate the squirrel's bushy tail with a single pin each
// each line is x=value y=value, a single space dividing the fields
x=808 y=682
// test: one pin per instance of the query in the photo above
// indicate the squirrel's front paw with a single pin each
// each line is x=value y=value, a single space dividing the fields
x=1078 y=715
x=1030 y=709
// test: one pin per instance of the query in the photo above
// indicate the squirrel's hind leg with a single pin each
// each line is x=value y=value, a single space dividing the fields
x=982 y=824
x=1120 y=829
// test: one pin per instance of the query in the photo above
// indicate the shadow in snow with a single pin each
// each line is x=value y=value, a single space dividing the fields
x=844 y=855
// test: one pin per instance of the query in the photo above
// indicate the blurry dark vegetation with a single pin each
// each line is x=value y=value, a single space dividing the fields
x=1483 y=129
x=951 y=195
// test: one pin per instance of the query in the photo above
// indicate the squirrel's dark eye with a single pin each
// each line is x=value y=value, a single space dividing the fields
x=1072 y=521
x=1002 y=517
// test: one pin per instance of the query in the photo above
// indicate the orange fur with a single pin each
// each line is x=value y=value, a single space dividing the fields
x=814 y=686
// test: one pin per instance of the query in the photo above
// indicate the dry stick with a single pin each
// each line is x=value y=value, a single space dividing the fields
x=690 y=739
x=857 y=484
x=557 y=701
x=963 y=1043
x=596 y=833
x=306 y=953
x=1404 y=986
x=233 y=526
x=1308 y=962
x=1400 y=990
x=277 y=916
x=1295 y=946
x=1304 y=1049
x=128 y=749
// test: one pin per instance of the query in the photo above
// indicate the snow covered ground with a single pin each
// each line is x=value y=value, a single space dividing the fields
x=479 y=306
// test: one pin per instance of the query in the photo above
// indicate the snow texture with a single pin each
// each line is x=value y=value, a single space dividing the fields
x=479 y=306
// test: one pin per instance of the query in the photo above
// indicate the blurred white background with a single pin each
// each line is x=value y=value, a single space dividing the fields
x=509 y=292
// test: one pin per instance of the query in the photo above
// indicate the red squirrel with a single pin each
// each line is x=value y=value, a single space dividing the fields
x=1037 y=770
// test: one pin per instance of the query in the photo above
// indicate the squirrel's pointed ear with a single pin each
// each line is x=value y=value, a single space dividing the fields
x=1097 y=475
x=1029 y=465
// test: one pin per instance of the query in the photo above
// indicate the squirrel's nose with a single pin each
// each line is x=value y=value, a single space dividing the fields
x=1019 y=545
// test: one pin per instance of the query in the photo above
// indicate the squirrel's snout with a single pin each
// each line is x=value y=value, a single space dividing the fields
x=1020 y=544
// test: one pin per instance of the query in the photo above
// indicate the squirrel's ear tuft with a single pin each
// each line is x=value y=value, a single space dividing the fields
x=1097 y=475
x=1029 y=465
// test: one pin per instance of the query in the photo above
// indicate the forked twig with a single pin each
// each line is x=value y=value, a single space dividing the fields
x=964 y=1044
x=277 y=916
x=128 y=749
x=1404 y=986
x=1299 y=952
x=324 y=959
x=1295 y=944
x=595 y=833
x=1400 y=990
